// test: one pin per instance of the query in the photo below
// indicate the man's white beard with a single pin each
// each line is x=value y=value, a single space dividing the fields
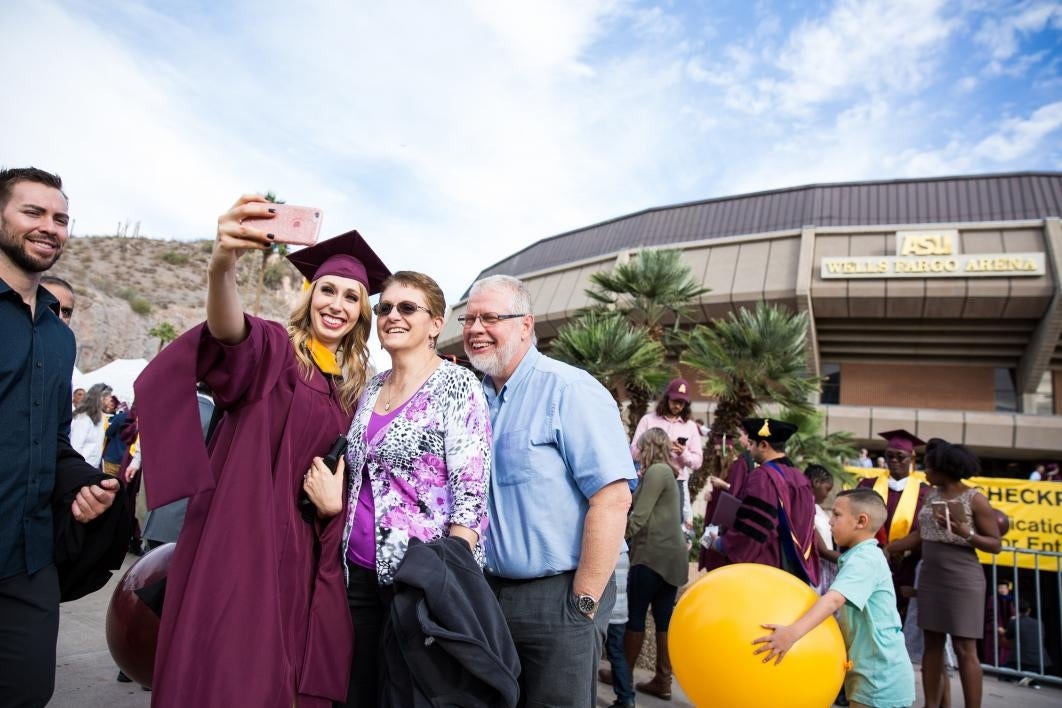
x=495 y=362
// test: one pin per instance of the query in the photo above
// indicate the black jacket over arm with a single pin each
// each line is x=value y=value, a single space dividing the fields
x=447 y=643
x=85 y=554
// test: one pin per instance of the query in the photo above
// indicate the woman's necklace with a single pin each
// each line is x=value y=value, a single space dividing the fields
x=391 y=378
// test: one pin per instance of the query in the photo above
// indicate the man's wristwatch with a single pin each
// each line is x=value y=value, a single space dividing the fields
x=586 y=605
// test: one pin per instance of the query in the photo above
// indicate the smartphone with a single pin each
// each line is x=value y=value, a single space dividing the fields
x=942 y=511
x=297 y=225
x=682 y=441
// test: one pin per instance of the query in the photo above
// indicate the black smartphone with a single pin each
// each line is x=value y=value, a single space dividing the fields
x=682 y=441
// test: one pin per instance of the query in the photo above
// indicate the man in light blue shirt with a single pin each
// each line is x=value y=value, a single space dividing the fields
x=558 y=498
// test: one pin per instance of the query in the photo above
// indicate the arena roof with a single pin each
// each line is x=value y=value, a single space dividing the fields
x=973 y=198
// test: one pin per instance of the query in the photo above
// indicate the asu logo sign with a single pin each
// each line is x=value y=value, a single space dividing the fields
x=926 y=243
x=933 y=254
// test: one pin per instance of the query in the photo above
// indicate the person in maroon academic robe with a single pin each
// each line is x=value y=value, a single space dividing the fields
x=708 y=558
x=775 y=524
x=255 y=611
x=904 y=492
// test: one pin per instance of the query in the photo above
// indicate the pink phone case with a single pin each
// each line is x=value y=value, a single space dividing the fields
x=297 y=225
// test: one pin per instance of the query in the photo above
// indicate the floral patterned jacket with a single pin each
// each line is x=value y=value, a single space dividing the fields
x=429 y=468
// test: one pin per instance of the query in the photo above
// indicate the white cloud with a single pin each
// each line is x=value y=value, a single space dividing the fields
x=454 y=134
x=1011 y=144
x=861 y=48
x=1017 y=138
x=1001 y=35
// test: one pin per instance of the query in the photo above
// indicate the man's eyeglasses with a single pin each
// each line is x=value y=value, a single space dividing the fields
x=405 y=308
x=489 y=319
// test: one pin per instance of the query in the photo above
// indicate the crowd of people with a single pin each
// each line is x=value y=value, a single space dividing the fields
x=423 y=533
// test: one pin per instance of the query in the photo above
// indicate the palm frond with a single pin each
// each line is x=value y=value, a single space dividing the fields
x=612 y=350
x=648 y=287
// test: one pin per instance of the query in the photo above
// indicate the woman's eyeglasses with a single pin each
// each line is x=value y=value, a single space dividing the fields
x=489 y=319
x=405 y=308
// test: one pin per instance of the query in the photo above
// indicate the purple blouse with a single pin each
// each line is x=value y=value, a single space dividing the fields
x=429 y=468
x=361 y=547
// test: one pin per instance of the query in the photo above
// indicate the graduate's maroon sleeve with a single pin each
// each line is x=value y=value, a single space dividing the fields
x=329 y=649
x=739 y=472
x=174 y=453
x=753 y=537
x=245 y=372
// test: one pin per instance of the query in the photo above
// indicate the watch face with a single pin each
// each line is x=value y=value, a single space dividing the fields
x=586 y=604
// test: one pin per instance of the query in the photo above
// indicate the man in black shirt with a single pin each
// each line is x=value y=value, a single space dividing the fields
x=36 y=363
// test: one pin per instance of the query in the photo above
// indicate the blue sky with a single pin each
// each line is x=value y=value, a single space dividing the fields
x=454 y=133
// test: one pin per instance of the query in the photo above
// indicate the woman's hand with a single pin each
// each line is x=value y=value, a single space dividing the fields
x=225 y=318
x=961 y=529
x=130 y=471
x=713 y=484
x=234 y=237
x=465 y=534
x=325 y=489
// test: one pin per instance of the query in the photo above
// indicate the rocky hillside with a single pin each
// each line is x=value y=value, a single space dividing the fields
x=127 y=286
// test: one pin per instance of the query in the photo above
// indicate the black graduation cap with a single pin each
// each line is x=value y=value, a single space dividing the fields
x=769 y=429
x=347 y=256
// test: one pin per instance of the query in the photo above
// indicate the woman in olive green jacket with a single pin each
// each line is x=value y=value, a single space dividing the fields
x=659 y=557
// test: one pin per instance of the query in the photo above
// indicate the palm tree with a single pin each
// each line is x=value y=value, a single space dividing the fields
x=266 y=255
x=166 y=333
x=809 y=446
x=647 y=288
x=618 y=354
x=754 y=356
x=652 y=285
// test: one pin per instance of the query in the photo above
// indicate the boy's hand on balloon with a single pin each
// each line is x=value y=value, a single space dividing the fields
x=775 y=645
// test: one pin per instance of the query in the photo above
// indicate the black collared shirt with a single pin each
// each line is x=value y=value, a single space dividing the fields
x=36 y=363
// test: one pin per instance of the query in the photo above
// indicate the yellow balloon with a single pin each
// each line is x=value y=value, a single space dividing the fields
x=711 y=633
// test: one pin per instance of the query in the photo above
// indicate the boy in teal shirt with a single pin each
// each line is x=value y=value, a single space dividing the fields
x=881 y=673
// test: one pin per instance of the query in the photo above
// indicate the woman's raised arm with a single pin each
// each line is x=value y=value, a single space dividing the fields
x=224 y=311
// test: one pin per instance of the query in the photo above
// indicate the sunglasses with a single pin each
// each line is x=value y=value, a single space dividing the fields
x=405 y=308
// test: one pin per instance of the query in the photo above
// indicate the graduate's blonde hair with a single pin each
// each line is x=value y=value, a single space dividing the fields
x=352 y=354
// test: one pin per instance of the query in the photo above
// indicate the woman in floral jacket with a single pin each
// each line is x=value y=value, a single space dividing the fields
x=419 y=457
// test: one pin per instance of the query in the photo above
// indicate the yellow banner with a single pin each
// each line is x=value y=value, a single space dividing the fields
x=1035 y=513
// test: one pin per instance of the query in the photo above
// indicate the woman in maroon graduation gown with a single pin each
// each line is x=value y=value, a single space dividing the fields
x=255 y=611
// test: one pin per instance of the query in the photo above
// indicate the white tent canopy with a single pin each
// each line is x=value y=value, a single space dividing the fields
x=119 y=375
x=77 y=380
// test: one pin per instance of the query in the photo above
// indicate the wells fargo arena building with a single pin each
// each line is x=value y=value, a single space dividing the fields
x=935 y=304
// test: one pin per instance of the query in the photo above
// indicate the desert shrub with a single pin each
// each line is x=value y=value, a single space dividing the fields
x=137 y=304
x=140 y=306
x=175 y=258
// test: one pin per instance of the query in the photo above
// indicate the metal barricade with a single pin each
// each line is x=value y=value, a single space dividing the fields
x=1035 y=578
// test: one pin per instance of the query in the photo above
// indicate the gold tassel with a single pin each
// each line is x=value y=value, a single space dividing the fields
x=765 y=431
